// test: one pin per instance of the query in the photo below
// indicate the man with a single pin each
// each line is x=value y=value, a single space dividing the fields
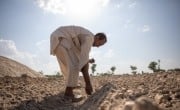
x=71 y=45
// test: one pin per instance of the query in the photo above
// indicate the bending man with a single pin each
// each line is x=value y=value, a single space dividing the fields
x=71 y=45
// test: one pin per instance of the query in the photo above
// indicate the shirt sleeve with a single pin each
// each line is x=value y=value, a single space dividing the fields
x=85 y=50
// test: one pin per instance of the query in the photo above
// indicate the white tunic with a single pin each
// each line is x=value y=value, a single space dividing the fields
x=71 y=45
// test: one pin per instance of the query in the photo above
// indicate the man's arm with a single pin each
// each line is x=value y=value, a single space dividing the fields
x=87 y=80
x=86 y=44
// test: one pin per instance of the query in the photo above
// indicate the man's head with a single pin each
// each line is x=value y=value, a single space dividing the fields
x=99 y=39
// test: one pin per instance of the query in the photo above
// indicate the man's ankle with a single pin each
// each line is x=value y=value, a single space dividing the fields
x=69 y=91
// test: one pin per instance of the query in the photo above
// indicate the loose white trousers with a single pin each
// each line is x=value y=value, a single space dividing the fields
x=69 y=65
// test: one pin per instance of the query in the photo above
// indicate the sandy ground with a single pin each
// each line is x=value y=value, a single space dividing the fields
x=25 y=93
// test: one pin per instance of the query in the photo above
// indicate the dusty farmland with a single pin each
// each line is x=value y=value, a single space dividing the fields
x=26 y=93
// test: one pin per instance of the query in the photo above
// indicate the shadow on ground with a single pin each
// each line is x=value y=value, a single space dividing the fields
x=55 y=102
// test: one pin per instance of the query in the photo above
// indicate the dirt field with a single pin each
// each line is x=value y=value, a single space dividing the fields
x=25 y=93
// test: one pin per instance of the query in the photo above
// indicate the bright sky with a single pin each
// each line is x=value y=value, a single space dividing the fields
x=138 y=31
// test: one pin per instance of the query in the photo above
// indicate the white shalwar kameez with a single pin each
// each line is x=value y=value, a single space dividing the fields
x=71 y=45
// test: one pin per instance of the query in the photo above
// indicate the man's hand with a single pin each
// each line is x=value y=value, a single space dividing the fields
x=91 y=60
x=89 y=89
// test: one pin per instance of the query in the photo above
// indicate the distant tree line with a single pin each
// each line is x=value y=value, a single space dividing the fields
x=153 y=65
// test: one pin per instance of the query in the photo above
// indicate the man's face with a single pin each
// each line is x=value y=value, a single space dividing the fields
x=99 y=42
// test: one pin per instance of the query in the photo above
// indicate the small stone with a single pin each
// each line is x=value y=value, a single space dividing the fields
x=177 y=95
x=128 y=105
x=160 y=98
x=168 y=104
x=119 y=95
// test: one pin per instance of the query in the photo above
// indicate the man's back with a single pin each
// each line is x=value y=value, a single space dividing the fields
x=73 y=35
x=71 y=31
